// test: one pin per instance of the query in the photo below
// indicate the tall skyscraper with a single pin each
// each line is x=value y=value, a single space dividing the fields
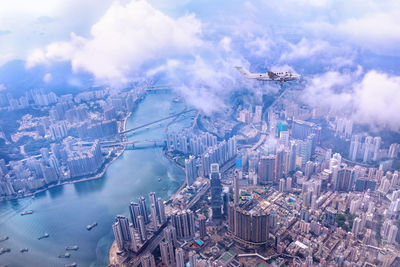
x=266 y=169
x=216 y=190
x=118 y=235
x=167 y=253
x=154 y=217
x=202 y=225
x=162 y=218
x=134 y=210
x=192 y=259
x=142 y=228
x=143 y=209
x=184 y=223
x=147 y=260
x=180 y=257
x=236 y=194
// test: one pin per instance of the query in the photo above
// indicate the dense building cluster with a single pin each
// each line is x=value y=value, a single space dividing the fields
x=63 y=140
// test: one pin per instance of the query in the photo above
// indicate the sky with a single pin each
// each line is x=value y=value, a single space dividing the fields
x=347 y=51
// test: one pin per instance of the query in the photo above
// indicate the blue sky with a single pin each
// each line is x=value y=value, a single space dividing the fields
x=348 y=51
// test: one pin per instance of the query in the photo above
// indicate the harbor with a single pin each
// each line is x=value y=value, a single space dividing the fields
x=112 y=192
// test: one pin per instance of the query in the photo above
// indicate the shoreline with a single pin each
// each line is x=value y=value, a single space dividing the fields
x=73 y=181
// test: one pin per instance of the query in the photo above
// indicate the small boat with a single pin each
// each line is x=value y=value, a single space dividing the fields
x=46 y=235
x=3 y=238
x=23 y=250
x=176 y=99
x=164 y=189
x=65 y=255
x=74 y=264
x=159 y=179
x=90 y=226
x=27 y=212
x=75 y=247
x=4 y=250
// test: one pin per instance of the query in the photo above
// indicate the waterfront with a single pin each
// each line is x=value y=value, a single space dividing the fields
x=65 y=211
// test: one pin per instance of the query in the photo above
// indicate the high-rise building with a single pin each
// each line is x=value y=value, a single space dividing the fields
x=154 y=219
x=133 y=244
x=357 y=226
x=266 y=168
x=216 y=190
x=282 y=185
x=143 y=209
x=170 y=234
x=180 y=257
x=167 y=253
x=236 y=195
x=147 y=260
x=192 y=258
x=202 y=225
x=162 y=218
x=142 y=228
x=184 y=223
x=190 y=170
x=118 y=235
x=134 y=210
x=391 y=237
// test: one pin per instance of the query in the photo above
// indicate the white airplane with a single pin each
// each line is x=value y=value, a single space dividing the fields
x=270 y=76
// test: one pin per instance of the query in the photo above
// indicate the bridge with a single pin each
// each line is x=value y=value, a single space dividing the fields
x=159 y=89
x=156 y=121
x=131 y=145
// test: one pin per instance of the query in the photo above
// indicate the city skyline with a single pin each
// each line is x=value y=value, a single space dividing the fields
x=188 y=133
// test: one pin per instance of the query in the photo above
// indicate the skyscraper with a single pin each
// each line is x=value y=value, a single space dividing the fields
x=143 y=209
x=184 y=223
x=142 y=228
x=134 y=210
x=154 y=217
x=236 y=194
x=167 y=253
x=180 y=257
x=266 y=168
x=202 y=225
x=147 y=260
x=216 y=190
x=192 y=259
x=162 y=217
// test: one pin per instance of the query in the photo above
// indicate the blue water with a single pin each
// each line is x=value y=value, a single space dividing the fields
x=64 y=212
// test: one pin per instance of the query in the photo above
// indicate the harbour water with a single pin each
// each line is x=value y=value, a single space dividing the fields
x=65 y=211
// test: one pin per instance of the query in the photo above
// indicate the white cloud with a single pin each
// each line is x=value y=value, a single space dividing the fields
x=2 y=87
x=371 y=98
x=47 y=77
x=126 y=37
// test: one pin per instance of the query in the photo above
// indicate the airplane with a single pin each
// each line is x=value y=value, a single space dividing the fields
x=269 y=75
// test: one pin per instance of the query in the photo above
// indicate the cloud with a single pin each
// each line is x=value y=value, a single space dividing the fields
x=47 y=77
x=377 y=99
x=124 y=39
x=2 y=87
x=368 y=98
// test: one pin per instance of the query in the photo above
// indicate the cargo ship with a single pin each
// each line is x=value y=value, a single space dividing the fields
x=46 y=235
x=90 y=226
x=27 y=212
x=72 y=247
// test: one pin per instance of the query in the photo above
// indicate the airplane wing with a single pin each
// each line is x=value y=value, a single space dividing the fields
x=272 y=75
x=243 y=71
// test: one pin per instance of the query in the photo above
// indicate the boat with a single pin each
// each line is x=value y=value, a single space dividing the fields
x=27 y=212
x=176 y=99
x=65 y=255
x=75 y=247
x=159 y=179
x=4 y=250
x=46 y=235
x=90 y=226
x=3 y=238
x=164 y=189
x=74 y=264
x=22 y=250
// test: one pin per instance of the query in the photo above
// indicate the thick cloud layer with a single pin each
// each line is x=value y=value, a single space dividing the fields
x=323 y=40
x=372 y=98
x=126 y=37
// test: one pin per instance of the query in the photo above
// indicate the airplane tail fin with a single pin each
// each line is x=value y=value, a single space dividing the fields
x=243 y=71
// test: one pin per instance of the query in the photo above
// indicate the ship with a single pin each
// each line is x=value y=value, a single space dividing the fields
x=74 y=264
x=4 y=250
x=46 y=235
x=22 y=250
x=27 y=212
x=159 y=179
x=65 y=255
x=3 y=238
x=90 y=226
x=75 y=247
